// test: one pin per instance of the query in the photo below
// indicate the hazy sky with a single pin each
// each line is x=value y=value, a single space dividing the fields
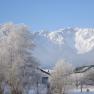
x=48 y=14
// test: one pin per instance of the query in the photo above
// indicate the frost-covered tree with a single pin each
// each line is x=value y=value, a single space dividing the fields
x=18 y=66
x=89 y=76
x=60 y=78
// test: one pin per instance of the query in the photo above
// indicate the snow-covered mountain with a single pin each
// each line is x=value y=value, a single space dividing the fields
x=75 y=45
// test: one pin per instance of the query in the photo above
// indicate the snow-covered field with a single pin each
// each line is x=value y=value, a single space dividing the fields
x=84 y=91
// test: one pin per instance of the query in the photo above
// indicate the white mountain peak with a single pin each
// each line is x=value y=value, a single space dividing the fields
x=72 y=44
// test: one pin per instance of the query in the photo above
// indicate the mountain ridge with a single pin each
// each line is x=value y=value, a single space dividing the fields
x=75 y=45
x=68 y=43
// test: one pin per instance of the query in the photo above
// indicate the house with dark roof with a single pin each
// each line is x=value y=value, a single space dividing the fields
x=44 y=76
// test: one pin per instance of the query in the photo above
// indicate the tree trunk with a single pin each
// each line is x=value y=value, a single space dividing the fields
x=81 y=87
x=1 y=92
x=16 y=91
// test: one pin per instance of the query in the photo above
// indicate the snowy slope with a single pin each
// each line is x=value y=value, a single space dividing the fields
x=75 y=45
